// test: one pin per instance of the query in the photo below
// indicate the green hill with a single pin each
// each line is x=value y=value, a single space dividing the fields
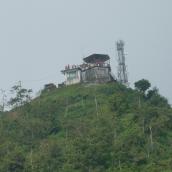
x=98 y=128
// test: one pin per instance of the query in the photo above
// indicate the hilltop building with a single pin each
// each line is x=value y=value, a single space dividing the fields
x=95 y=69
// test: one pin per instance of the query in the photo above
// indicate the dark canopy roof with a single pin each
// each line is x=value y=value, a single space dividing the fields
x=96 y=58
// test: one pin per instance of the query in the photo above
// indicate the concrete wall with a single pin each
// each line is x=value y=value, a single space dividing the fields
x=92 y=75
x=96 y=75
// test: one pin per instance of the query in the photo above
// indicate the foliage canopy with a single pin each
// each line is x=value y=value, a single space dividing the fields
x=88 y=129
x=142 y=85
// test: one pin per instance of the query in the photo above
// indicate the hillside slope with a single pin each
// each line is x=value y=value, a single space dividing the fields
x=102 y=128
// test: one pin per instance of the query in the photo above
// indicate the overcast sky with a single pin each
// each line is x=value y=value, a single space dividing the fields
x=39 y=37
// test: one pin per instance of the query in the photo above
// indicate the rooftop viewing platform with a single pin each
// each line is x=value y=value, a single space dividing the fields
x=94 y=60
x=86 y=66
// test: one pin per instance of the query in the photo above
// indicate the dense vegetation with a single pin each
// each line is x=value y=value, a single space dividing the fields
x=98 y=128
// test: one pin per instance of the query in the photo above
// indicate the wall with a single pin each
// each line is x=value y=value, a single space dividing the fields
x=96 y=75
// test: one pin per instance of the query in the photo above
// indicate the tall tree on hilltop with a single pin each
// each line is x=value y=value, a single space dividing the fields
x=142 y=85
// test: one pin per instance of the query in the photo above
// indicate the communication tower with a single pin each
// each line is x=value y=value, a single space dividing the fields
x=122 y=69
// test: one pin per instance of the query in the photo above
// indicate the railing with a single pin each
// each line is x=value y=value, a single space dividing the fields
x=86 y=66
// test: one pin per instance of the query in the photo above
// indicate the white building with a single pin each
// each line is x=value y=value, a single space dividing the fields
x=95 y=69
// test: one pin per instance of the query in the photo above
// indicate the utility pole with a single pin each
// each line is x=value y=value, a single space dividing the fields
x=3 y=99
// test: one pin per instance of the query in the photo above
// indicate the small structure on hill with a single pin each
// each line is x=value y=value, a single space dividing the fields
x=95 y=69
x=49 y=87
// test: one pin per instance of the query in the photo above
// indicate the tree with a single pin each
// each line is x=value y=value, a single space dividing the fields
x=22 y=96
x=152 y=93
x=142 y=85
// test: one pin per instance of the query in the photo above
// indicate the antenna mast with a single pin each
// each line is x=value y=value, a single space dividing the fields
x=122 y=69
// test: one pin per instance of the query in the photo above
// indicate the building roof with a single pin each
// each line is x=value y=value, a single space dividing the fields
x=96 y=58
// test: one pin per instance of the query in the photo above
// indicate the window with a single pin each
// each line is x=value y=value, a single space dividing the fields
x=72 y=75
